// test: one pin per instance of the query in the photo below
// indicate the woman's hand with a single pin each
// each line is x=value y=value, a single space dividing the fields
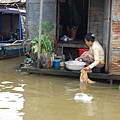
x=87 y=68
x=79 y=59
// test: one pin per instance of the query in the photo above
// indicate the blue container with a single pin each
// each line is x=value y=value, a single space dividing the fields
x=56 y=63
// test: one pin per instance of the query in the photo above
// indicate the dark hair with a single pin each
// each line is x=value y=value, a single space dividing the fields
x=90 y=37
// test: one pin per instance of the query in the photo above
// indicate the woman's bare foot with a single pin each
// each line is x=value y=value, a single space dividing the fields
x=90 y=81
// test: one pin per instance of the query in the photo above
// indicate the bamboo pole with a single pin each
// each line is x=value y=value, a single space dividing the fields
x=40 y=28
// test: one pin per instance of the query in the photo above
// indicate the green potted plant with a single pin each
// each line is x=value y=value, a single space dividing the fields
x=47 y=44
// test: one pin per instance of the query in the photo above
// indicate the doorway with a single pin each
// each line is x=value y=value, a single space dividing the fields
x=73 y=18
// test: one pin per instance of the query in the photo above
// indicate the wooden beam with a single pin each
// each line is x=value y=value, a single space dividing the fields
x=40 y=30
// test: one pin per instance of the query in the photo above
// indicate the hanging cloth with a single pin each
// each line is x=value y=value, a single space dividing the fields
x=84 y=77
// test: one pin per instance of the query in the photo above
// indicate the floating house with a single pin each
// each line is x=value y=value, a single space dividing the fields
x=12 y=31
x=101 y=17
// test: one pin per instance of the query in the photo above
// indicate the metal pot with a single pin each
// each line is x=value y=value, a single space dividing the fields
x=74 y=65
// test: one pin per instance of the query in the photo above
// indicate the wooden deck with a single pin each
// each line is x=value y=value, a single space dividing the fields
x=68 y=73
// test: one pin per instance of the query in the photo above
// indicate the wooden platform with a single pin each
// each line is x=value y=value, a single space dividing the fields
x=64 y=72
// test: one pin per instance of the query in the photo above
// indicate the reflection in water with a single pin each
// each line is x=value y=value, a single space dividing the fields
x=91 y=106
x=11 y=103
x=83 y=87
x=91 y=109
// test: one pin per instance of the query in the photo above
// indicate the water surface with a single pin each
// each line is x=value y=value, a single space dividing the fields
x=44 y=97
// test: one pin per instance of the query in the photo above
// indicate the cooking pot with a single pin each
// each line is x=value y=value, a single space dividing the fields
x=74 y=65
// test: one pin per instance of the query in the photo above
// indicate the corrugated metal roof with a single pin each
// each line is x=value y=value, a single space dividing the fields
x=8 y=1
x=11 y=1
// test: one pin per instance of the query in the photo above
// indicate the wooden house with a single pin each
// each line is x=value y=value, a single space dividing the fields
x=101 y=17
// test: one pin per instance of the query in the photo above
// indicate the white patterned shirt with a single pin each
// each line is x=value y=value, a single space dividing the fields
x=97 y=51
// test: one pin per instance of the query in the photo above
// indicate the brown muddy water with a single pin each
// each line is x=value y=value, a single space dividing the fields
x=43 y=97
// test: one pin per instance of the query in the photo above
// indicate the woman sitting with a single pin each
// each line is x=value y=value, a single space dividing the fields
x=94 y=58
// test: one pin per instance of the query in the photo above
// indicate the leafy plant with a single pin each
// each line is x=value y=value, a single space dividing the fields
x=47 y=44
x=47 y=27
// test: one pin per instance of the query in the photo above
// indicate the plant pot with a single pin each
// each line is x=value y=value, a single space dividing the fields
x=72 y=33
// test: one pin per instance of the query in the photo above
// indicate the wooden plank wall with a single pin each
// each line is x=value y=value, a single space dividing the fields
x=115 y=39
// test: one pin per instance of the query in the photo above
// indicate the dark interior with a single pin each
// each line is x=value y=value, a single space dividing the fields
x=73 y=18
x=9 y=27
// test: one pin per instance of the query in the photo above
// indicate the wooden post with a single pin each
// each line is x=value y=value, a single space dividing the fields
x=40 y=28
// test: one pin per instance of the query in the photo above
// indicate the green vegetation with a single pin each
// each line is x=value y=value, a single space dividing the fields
x=47 y=44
